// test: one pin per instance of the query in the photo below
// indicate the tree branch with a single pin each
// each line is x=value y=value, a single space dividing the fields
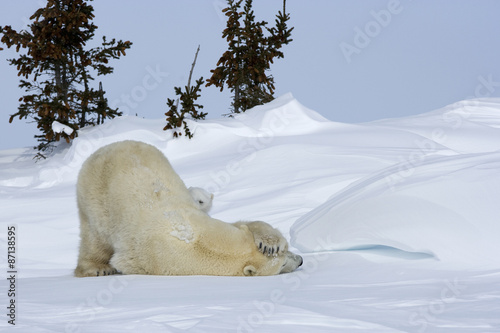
x=192 y=68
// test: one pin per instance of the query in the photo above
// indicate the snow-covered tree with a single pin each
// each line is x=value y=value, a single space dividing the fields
x=58 y=69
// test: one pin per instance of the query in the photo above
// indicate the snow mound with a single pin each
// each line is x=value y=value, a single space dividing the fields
x=469 y=126
x=445 y=209
x=282 y=112
x=281 y=117
x=440 y=200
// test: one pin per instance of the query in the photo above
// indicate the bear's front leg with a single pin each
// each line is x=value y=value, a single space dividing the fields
x=85 y=269
x=268 y=240
x=94 y=254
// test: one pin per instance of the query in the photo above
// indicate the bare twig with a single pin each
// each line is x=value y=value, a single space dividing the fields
x=192 y=67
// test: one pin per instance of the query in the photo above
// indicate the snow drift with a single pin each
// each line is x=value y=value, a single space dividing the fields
x=396 y=219
x=440 y=199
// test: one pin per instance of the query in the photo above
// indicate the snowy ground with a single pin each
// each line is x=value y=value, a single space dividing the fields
x=397 y=221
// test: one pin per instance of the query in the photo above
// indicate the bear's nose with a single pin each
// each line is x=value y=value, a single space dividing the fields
x=301 y=261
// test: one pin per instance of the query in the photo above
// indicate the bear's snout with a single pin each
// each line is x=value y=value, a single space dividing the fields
x=293 y=261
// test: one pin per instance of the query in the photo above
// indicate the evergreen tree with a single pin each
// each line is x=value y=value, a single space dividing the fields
x=250 y=54
x=176 y=117
x=58 y=70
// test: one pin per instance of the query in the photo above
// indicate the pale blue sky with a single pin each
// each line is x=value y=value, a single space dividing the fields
x=350 y=60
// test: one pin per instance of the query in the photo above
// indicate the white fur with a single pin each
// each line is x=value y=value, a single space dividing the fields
x=138 y=217
x=202 y=198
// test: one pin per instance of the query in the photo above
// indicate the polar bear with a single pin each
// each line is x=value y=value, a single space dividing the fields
x=202 y=198
x=138 y=217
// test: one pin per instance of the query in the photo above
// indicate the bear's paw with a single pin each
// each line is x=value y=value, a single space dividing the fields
x=268 y=240
x=270 y=244
x=95 y=270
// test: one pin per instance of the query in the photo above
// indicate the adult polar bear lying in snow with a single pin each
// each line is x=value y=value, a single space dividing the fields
x=138 y=217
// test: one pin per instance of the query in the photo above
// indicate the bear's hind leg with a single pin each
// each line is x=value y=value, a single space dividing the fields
x=94 y=256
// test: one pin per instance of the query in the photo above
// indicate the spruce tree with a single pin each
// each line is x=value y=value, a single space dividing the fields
x=58 y=69
x=249 y=56
x=175 y=116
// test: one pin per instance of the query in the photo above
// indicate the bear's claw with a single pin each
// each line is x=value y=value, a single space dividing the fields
x=106 y=271
x=268 y=240
x=272 y=245
x=268 y=250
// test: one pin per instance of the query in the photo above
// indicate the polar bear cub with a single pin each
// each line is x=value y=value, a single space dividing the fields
x=202 y=198
x=138 y=217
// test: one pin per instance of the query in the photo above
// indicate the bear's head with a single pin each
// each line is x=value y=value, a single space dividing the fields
x=202 y=198
x=264 y=265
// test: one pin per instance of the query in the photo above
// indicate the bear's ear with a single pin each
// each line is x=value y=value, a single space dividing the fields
x=212 y=196
x=249 y=270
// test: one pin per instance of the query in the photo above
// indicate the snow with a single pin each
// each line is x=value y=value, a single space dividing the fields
x=395 y=220
x=182 y=229
x=57 y=127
